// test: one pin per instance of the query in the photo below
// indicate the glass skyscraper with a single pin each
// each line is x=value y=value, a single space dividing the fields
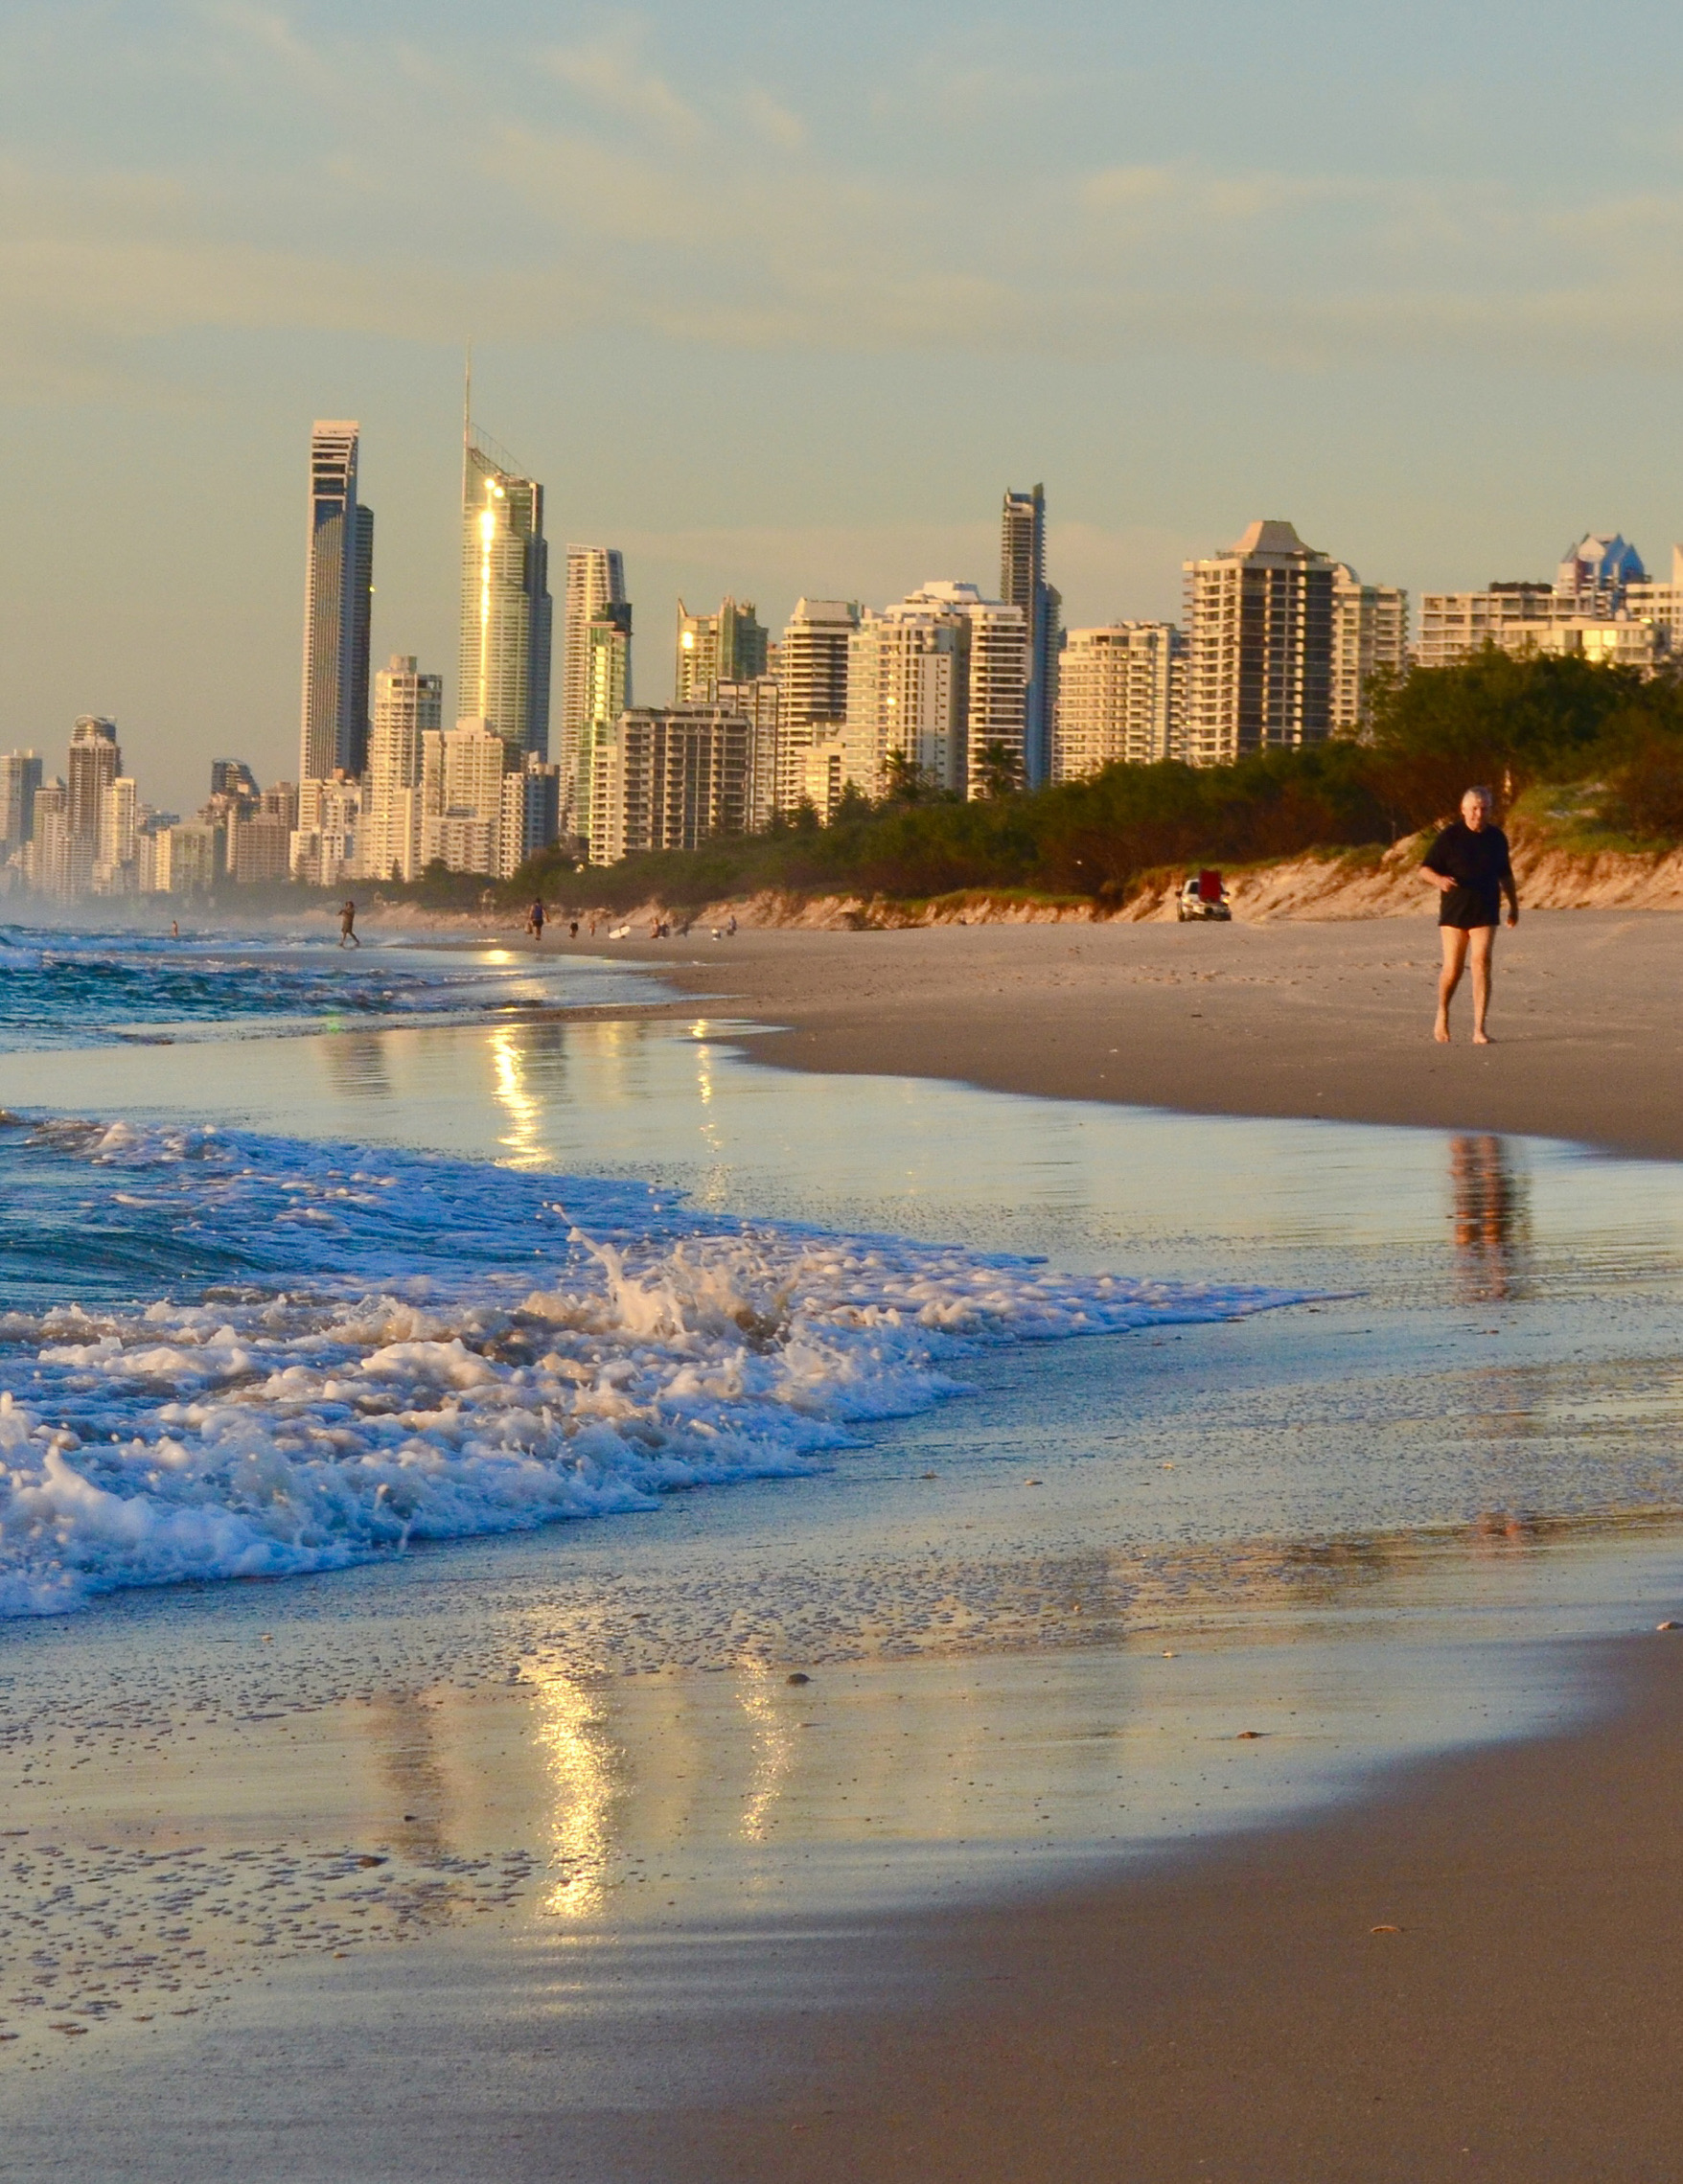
x=506 y=611
x=338 y=588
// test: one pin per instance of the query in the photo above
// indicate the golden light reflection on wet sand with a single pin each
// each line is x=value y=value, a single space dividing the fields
x=586 y=1780
x=773 y=1751
x=523 y=1138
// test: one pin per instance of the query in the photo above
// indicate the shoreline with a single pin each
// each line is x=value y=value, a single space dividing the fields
x=1317 y=1022
x=1464 y=1973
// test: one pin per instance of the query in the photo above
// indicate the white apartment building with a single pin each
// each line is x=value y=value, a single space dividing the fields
x=1259 y=624
x=669 y=778
x=113 y=872
x=1121 y=698
x=939 y=680
x=462 y=798
x=1370 y=637
x=408 y=706
x=595 y=580
x=812 y=660
x=324 y=843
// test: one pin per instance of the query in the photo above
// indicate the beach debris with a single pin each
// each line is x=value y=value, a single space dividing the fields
x=928 y=1475
x=1169 y=1653
x=1249 y=1736
x=1669 y=1625
x=368 y=1858
x=798 y=1676
x=67 y=2027
x=1034 y=1481
x=1385 y=1929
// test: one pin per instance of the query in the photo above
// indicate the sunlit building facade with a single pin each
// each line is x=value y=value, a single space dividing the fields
x=1121 y=698
x=504 y=659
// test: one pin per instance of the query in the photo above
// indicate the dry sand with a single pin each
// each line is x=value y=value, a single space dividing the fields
x=1283 y=1019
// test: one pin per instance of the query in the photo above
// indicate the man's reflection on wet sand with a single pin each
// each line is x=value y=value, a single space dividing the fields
x=1492 y=1221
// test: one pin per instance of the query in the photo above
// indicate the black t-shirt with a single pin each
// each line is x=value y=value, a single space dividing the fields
x=1478 y=864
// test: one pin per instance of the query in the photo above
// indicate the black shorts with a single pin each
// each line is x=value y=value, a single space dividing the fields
x=1466 y=909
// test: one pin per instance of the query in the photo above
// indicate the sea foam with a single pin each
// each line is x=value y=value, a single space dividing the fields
x=391 y=1347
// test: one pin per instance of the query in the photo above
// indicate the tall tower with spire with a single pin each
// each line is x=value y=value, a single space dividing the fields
x=507 y=615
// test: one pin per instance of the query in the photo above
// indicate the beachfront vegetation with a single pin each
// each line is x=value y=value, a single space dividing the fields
x=1515 y=723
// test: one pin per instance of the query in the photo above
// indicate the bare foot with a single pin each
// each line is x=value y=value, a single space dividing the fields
x=1441 y=1031
x=1481 y=1038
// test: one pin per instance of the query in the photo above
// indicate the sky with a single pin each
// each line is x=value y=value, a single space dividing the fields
x=781 y=299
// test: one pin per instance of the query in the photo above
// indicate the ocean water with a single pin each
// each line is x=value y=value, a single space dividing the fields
x=227 y=1353
x=66 y=988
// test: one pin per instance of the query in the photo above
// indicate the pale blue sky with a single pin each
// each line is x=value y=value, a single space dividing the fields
x=781 y=298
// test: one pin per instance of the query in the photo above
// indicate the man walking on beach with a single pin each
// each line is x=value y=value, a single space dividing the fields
x=534 y=921
x=348 y=925
x=1470 y=868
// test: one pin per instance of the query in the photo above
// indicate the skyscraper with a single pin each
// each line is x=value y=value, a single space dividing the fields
x=1022 y=583
x=595 y=579
x=1121 y=698
x=725 y=647
x=608 y=692
x=1370 y=637
x=407 y=706
x=506 y=611
x=812 y=660
x=1259 y=624
x=20 y=776
x=937 y=683
x=95 y=763
x=338 y=583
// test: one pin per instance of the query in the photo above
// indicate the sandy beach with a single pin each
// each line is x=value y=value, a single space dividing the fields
x=1034 y=1792
x=1291 y=1018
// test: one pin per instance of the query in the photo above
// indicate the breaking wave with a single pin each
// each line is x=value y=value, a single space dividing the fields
x=340 y=1351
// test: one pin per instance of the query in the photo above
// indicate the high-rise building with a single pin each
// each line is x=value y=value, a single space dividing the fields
x=339 y=584
x=1259 y=647
x=233 y=777
x=531 y=815
x=504 y=675
x=608 y=692
x=937 y=683
x=1596 y=573
x=324 y=843
x=1370 y=637
x=95 y=763
x=462 y=772
x=49 y=866
x=1601 y=605
x=407 y=706
x=812 y=660
x=760 y=704
x=1121 y=698
x=670 y=778
x=20 y=776
x=595 y=580
x=1022 y=583
x=725 y=647
x=114 y=862
x=259 y=847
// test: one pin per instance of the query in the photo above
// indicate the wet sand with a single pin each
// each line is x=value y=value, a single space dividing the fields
x=1254 y=2017
x=1294 y=1018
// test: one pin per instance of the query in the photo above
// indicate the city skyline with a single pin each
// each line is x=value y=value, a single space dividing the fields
x=773 y=313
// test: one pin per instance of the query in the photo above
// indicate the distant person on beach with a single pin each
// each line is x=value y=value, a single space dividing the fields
x=534 y=920
x=572 y=931
x=348 y=925
x=1469 y=865
x=174 y=928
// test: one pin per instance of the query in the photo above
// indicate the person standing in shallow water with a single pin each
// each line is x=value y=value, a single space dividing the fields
x=1469 y=865
x=348 y=927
